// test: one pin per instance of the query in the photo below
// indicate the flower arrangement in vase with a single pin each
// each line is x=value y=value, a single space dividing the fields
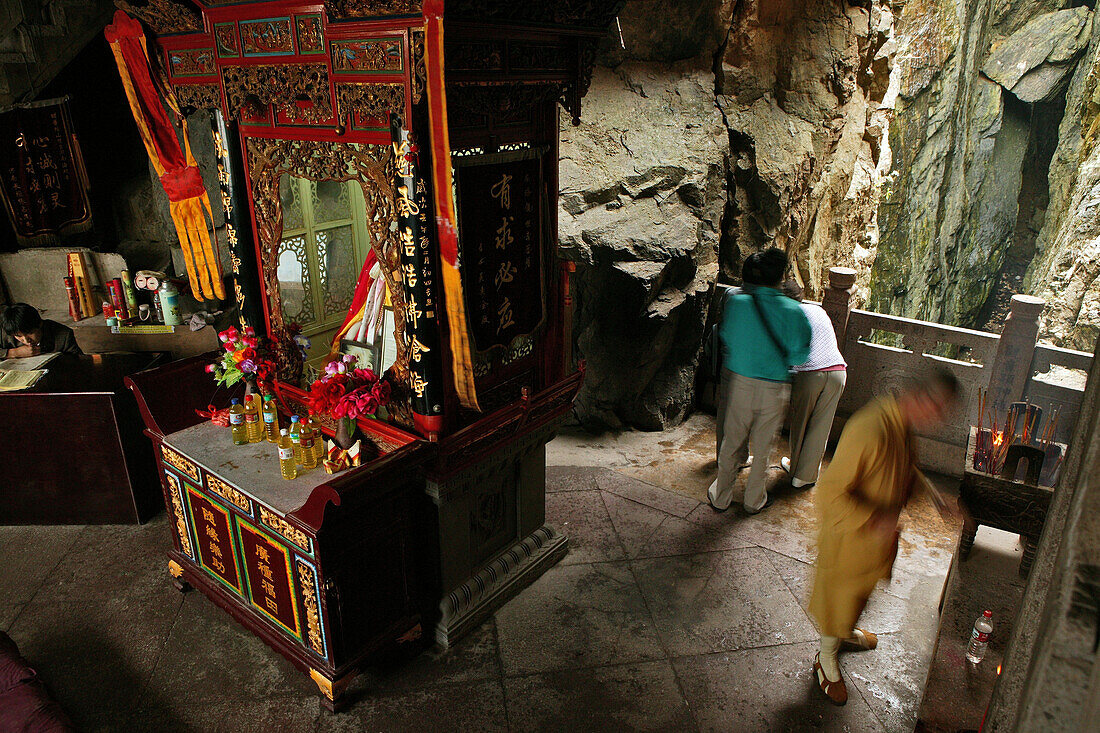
x=245 y=359
x=348 y=393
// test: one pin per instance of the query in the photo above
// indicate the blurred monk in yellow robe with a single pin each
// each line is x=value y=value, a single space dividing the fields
x=859 y=498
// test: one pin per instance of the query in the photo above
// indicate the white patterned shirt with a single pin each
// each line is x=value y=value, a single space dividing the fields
x=824 y=352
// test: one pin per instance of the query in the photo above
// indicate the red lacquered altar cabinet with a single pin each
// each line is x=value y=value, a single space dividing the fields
x=447 y=118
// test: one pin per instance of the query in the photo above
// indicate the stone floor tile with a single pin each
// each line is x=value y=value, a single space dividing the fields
x=172 y=710
x=571 y=478
x=720 y=601
x=209 y=653
x=475 y=706
x=647 y=532
x=891 y=677
x=475 y=657
x=770 y=689
x=96 y=629
x=28 y=555
x=669 y=502
x=633 y=697
x=582 y=517
x=577 y=616
x=885 y=613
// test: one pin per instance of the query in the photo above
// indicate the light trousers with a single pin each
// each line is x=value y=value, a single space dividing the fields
x=752 y=415
x=814 y=397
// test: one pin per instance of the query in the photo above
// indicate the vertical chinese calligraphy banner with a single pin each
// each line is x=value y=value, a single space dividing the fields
x=499 y=214
x=42 y=178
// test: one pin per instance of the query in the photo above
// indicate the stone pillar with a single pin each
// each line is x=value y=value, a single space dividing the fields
x=1011 y=366
x=837 y=300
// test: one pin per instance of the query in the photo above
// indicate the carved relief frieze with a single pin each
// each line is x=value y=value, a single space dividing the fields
x=371 y=8
x=370 y=100
x=378 y=55
x=164 y=16
x=280 y=84
x=504 y=104
x=198 y=96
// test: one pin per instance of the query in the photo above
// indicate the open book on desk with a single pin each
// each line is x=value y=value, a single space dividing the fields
x=13 y=381
x=27 y=363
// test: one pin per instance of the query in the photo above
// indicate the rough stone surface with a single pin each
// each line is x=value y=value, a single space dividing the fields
x=1065 y=270
x=642 y=196
x=1034 y=61
x=716 y=132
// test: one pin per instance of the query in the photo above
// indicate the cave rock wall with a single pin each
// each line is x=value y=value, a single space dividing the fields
x=722 y=127
x=982 y=90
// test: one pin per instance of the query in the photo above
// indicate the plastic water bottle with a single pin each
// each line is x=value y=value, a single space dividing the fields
x=236 y=422
x=979 y=638
x=286 y=456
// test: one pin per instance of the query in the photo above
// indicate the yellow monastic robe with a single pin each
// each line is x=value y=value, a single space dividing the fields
x=873 y=469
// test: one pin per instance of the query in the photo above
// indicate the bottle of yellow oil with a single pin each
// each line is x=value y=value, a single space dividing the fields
x=307 y=438
x=318 y=438
x=236 y=422
x=252 y=418
x=296 y=438
x=286 y=456
x=271 y=419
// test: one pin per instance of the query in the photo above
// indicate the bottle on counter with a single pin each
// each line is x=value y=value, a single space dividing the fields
x=169 y=298
x=271 y=419
x=979 y=638
x=286 y=456
x=236 y=422
x=307 y=438
x=252 y=418
x=318 y=438
x=296 y=437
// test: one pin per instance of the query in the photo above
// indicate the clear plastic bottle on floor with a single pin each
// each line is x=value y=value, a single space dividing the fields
x=236 y=422
x=286 y=456
x=979 y=638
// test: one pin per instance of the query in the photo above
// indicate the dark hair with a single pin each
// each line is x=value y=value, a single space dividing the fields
x=772 y=264
x=750 y=269
x=20 y=318
x=943 y=380
x=792 y=290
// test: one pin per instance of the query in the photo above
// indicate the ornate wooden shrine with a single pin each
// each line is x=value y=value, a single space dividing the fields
x=447 y=119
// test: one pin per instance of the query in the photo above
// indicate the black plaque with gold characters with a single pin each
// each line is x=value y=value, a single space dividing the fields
x=238 y=224
x=422 y=290
x=499 y=215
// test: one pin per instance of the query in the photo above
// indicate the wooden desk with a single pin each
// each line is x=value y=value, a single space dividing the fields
x=73 y=451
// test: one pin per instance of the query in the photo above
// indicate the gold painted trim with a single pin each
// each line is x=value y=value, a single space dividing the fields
x=313 y=611
x=279 y=525
x=178 y=462
x=175 y=569
x=230 y=494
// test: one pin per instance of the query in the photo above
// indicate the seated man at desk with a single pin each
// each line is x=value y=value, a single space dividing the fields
x=26 y=333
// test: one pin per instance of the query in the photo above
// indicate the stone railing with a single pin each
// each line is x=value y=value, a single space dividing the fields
x=1012 y=366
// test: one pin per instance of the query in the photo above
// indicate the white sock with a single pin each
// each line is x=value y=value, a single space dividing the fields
x=829 y=665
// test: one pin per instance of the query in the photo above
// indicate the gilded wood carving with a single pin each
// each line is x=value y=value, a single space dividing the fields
x=282 y=85
x=419 y=66
x=370 y=8
x=373 y=167
x=164 y=16
x=370 y=100
x=198 y=96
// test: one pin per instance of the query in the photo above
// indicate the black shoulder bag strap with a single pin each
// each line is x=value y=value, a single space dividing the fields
x=768 y=327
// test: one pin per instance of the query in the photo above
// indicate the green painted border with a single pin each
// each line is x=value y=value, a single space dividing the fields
x=298 y=38
x=198 y=548
x=236 y=34
x=289 y=576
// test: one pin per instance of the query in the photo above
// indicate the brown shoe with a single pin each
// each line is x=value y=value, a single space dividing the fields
x=860 y=640
x=837 y=692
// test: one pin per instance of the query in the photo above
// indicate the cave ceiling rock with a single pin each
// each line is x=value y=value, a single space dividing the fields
x=1035 y=62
